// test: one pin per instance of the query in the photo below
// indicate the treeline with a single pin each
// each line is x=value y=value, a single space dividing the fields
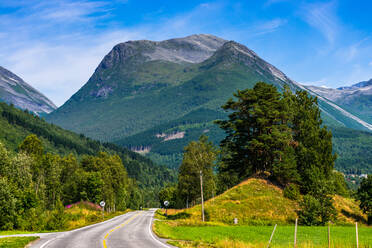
x=33 y=182
x=269 y=134
x=17 y=124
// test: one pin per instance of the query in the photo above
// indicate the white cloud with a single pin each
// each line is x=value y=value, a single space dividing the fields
x=321 y=16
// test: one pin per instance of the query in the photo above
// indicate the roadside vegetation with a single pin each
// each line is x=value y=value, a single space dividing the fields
x=35 y=187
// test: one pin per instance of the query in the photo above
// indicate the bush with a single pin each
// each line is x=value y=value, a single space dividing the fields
x=58 y=219
x=316 y=211
x=309 y=214
x=292 y=192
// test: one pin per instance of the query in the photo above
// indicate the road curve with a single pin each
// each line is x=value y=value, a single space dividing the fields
x=131 y=230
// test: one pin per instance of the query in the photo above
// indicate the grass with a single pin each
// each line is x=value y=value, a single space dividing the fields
x=16 y=242
x=258 y=236
x=77 y=216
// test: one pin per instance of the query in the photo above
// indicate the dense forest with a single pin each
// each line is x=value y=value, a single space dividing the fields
x=16 y=125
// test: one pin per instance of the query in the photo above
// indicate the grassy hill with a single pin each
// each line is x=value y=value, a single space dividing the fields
x=16 y=125
x=259 y=202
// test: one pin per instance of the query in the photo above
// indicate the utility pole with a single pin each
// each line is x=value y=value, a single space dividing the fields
x=201 y=192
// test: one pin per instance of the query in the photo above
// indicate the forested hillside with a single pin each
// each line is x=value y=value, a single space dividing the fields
x=354 y=150
x=16 y=125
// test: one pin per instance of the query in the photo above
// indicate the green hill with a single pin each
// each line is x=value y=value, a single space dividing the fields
x=259 y=202
x=16 y=125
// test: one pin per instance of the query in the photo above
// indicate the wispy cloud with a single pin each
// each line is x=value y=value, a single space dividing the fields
x=271 y=2
x=269 y=26
x=322 y=17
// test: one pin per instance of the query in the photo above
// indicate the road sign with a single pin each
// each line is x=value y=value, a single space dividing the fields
x=102 y=203
x=166 y=203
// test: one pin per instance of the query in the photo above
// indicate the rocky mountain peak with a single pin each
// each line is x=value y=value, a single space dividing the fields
x=190 y=49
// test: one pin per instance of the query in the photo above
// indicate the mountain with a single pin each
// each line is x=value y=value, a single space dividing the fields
x=356 y=99
x=155 y=97
x=16 y=125
x=14 y=90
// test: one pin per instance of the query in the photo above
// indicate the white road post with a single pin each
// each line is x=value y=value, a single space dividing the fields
x=295 y=235
x=201 y=192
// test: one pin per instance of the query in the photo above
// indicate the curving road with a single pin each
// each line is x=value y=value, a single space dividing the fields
x=132 y=230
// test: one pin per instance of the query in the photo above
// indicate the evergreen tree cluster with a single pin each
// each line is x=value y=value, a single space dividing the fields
x=33 y=181
x=278 y=133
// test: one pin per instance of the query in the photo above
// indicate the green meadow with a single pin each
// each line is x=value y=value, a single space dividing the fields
x=258 y=236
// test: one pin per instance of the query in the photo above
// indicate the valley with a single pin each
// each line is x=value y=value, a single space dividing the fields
x=169 y=124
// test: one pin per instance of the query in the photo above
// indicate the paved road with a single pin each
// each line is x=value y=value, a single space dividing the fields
x=132 y=230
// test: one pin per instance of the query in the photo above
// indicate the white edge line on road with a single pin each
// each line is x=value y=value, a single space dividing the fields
x=152 y=235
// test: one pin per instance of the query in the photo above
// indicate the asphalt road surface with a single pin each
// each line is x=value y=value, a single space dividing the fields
x=132 y=230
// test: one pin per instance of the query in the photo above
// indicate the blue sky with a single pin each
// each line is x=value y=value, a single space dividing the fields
x=55 y=45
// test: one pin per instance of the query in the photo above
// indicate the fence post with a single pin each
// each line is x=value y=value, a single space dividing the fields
x=271 y=237
x=295 y=234
x=356 y=232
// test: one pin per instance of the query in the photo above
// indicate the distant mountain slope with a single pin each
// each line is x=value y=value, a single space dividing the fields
x=154 y=97
x=14 y=90
x=357 y=98
x=16 y=125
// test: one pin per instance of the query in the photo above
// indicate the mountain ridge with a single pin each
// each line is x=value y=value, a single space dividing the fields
x=356 y=99
x=14 y=90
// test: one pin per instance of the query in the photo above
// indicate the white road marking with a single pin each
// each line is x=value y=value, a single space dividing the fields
x=152 y=235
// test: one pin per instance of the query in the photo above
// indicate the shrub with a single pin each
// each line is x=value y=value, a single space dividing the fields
x=58 y=219
x=316 y=211
x=292 y=192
